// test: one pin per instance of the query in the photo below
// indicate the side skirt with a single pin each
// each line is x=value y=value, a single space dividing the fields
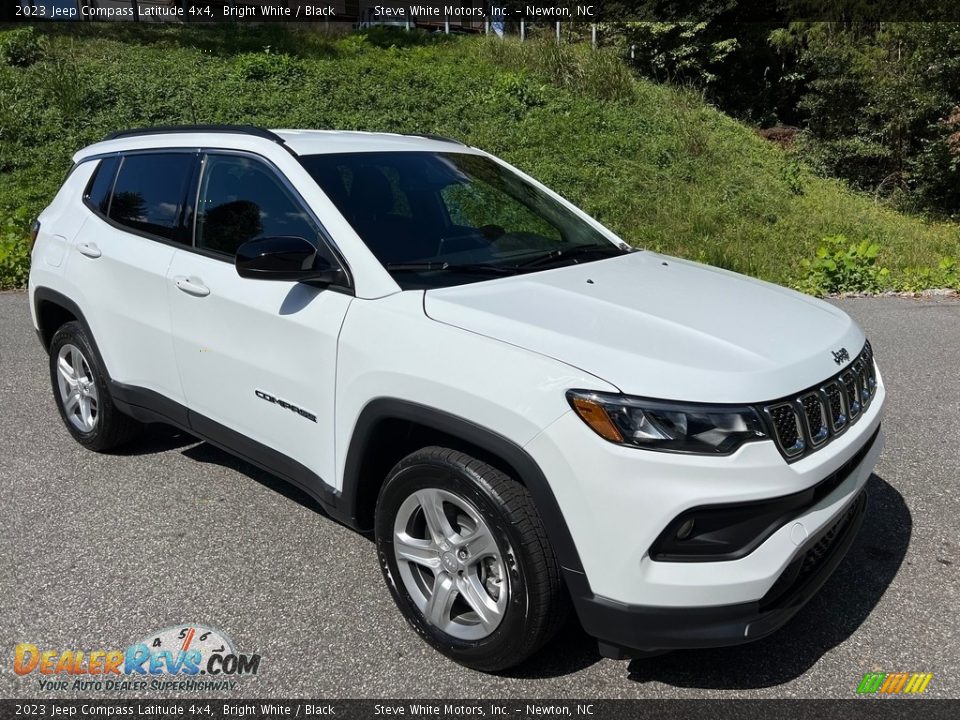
x=151 y=407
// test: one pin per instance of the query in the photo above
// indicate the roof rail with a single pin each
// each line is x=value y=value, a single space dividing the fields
x=441 y=138
x=166 y=129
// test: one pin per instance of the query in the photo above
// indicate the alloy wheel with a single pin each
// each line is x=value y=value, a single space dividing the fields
x=450 y=564
x=78 y=389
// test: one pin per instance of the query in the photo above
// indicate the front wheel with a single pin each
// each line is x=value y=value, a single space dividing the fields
x=466 y=558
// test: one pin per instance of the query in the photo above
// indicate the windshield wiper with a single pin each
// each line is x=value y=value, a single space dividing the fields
x=433 y=266
x=415 y=266
x=573 y=252
x=576 y=251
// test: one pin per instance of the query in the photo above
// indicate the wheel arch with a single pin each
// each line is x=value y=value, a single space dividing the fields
x=388 y=429
x=53 y=310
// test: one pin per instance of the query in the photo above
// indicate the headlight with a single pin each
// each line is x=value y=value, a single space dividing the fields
x=667 y=426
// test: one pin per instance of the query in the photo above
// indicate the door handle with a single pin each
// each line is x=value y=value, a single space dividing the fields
x=192 y=286
x=89 y=249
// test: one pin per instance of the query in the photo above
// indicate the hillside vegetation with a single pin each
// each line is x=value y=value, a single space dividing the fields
x=654 y=163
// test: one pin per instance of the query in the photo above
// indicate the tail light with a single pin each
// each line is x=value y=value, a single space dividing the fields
x=34 y=231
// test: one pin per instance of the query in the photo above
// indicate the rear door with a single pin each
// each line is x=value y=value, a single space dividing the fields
x=257 y=357
x=120 y=260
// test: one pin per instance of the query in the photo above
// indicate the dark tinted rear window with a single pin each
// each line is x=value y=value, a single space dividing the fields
x=98 y=190
x=149 y=192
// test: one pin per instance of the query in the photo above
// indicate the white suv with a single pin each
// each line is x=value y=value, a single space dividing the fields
x=528 y=413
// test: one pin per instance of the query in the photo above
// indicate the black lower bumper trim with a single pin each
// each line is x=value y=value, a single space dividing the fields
x=625 y=630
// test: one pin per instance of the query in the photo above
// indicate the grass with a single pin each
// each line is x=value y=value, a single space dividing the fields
x=654 y=163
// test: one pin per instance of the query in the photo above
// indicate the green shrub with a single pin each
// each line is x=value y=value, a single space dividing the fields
x=945 y=275
x=14 y=255
x=595 y=73
x=516 y=93
x=841 y=266
x=22 y=47
x=267 y=65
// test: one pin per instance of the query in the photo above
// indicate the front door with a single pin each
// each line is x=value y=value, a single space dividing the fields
x=257 y=358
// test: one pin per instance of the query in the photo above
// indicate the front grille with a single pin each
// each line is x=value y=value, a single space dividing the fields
x=810 y=420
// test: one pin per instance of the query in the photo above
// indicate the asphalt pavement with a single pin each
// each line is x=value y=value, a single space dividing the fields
x=98 y=551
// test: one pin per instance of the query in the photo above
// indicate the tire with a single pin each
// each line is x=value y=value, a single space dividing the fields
x=508 y=569
x=81 y=392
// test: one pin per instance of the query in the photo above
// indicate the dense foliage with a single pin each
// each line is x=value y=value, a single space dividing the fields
x=878 y=103
x=655 y=163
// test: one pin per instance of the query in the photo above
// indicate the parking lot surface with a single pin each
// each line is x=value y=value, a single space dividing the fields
x=99 y=551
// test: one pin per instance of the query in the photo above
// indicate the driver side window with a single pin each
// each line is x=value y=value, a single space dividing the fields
x=242 y=199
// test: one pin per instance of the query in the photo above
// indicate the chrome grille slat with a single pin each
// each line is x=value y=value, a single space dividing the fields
x=809 y=420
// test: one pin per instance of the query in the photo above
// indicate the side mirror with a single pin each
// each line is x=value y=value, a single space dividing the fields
x=285 y=258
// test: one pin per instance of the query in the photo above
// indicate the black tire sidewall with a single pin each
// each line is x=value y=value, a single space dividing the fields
x=510 y=638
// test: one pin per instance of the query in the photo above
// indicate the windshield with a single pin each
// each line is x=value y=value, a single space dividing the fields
x=440 y=219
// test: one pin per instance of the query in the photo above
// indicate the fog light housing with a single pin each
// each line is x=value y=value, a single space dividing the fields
x=686 y=529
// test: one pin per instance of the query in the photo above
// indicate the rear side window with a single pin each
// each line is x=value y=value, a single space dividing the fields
x=100 y=185
x=149 y=192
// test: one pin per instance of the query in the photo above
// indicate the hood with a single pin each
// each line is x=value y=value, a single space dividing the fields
x=660 y=327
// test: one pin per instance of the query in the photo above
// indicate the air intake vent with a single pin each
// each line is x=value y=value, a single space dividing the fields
x=833 y=392
x=851 y=393
x=786 y=425
x=816 y=418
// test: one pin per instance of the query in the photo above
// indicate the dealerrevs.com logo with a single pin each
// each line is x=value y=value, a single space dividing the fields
x=898 y=683
x=185 y=657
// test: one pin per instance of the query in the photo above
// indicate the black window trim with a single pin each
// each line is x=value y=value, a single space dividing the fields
x=93 y=178
x=187 y=235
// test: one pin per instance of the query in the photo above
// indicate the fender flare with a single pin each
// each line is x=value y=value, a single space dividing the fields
x=43 y=295
x=525 y=467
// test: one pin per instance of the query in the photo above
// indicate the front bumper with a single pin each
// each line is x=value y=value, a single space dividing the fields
x=625 y=630
x=616 y=501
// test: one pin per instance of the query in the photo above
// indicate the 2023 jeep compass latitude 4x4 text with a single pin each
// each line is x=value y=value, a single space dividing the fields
x=531 y=416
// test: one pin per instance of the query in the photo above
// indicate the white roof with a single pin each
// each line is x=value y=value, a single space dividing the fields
x=302 y=142
x=312 y=142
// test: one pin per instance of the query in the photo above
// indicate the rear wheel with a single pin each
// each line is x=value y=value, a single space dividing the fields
x=81 y=392
x=467 y=560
